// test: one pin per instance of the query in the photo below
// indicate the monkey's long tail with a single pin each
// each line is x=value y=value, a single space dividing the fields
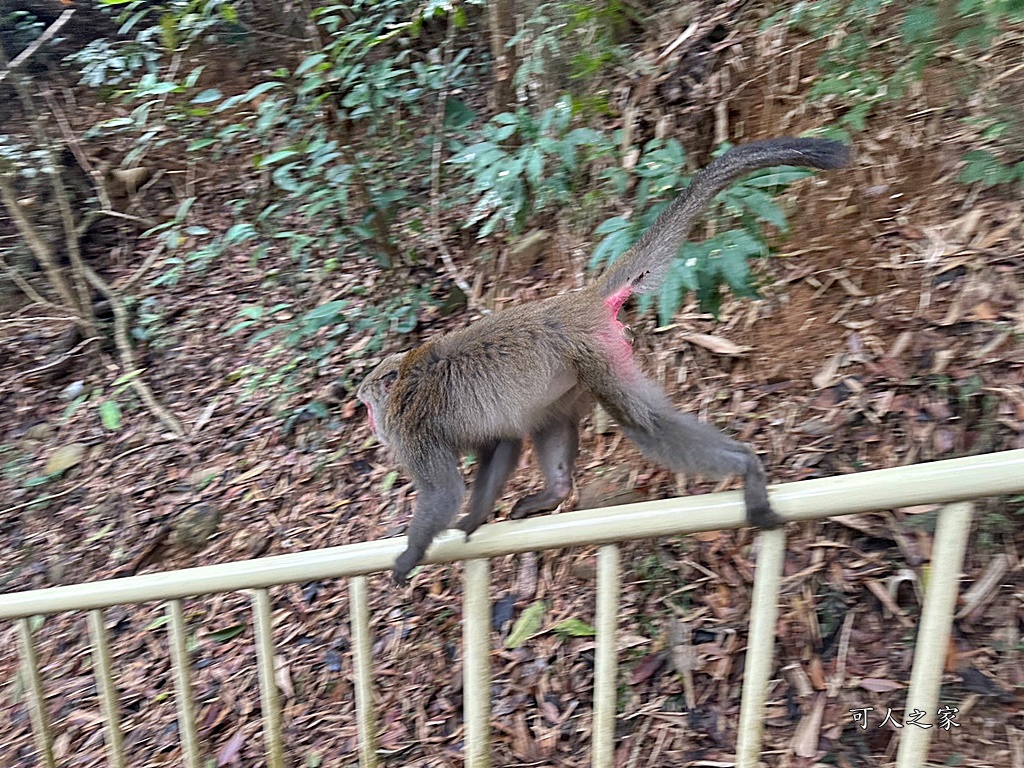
x=644 y=265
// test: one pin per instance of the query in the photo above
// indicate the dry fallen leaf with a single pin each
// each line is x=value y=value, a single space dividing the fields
x=716 y=344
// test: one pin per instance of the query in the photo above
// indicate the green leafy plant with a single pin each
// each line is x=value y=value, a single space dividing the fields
x=573 y=628
x=20 y=28
x=310 y=340
x=526 y=165
x=981 y=166
x=866 y=65
x=582 y=38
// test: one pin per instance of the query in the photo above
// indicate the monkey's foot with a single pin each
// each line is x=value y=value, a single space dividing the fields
x=467 y=525
x=764 y=517
x=545 y=501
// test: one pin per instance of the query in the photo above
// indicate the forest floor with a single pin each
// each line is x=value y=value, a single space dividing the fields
x=889 y=332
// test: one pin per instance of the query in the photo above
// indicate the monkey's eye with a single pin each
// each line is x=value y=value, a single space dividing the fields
x=388 y=379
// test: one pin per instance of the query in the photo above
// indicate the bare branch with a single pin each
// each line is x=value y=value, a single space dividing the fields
x=127 y=356
x=49 y=32
x=41 y=250
x=435 y=179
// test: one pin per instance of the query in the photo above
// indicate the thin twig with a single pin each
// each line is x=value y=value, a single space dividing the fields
x=156 y=253
x=49 y=32
x=34 y=296
x=38 y=247
x=435 y=176
x=71 y=139
x=124 y=349
x=91 y=216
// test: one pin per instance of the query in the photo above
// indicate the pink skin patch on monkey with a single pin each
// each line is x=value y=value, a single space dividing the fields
x=369 y=414
x=614 y=334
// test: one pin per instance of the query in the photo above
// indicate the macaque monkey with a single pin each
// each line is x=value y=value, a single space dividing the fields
x=534 y=370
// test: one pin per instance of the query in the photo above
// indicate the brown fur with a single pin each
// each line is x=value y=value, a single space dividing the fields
x=534 y=370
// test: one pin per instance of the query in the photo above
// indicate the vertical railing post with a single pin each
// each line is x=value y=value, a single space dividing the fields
x=764 y=611
x=183 y=684
x=605 y=662
x=270 y=699
x=476 y=675
x=104 y=671
x=940 y=597
x=359 y=605
x=36 y=701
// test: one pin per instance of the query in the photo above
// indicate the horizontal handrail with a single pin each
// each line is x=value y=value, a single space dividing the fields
x=930 y=483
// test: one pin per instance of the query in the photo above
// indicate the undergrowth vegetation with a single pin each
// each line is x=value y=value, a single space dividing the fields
x=878 y=50
x=372 y=134
x=348 y=142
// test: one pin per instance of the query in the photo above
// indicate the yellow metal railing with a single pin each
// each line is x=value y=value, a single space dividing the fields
x=943 y=482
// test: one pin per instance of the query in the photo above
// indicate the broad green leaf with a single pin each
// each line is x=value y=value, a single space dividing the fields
x=504 y=132
x=239 y=233
x=259 y=90
x=918 y=24
x=184 y=208
x=274 y=157
x=574 y=628
x=228 y=633
x=161 y=88
x=612 y=246
x=309 y=62
x=126 y=378
x=110 y=415
x=763 y=206
x=457 y=114
x=670 y=294
x=282 y=178
x=388 y=482
x=527 y=625
x=208 y=96
x=328 y=310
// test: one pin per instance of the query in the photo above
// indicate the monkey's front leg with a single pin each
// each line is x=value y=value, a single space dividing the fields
x=440 y=490
x=496 y=462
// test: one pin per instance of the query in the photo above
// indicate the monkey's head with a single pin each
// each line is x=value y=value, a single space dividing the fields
x=374 y=390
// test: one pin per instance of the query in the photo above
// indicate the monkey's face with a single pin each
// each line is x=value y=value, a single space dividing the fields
x=374 y=390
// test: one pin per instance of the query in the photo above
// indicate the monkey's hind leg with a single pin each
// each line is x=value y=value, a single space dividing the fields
x=556 y=446
x=439 y=494
x=497 y=461
x=683 y=444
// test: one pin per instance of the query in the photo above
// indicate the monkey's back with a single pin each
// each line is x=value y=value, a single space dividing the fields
x=502 y=376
